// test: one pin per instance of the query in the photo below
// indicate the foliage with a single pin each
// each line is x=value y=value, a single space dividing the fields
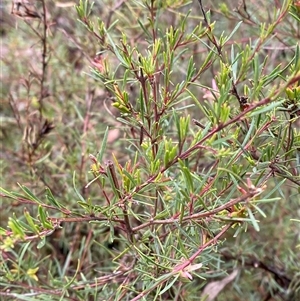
x=151 y=146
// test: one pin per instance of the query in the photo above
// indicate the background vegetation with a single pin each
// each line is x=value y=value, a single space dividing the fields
x=150 y=150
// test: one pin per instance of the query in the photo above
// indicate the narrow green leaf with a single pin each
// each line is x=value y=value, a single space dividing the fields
x=116 y=51
x=76 y=191
x=42 y=243
x=30 y=221
x=232 y=32
x=187 y=175
x=51 y=198
x=267 y=108
x=43 y=218
x=103 y=146
x=8 y=194
x=16 y=227
x=30 y=194
x=167 y=287
x=253 y=220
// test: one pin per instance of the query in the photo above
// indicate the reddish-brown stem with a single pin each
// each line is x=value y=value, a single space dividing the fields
x=200 y=215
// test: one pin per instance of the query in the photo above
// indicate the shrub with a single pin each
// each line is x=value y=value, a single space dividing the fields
x=173 y=160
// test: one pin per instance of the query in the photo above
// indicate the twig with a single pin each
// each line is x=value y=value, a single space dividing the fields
x=210 y=35
x=200 y=215
x=44 y=59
